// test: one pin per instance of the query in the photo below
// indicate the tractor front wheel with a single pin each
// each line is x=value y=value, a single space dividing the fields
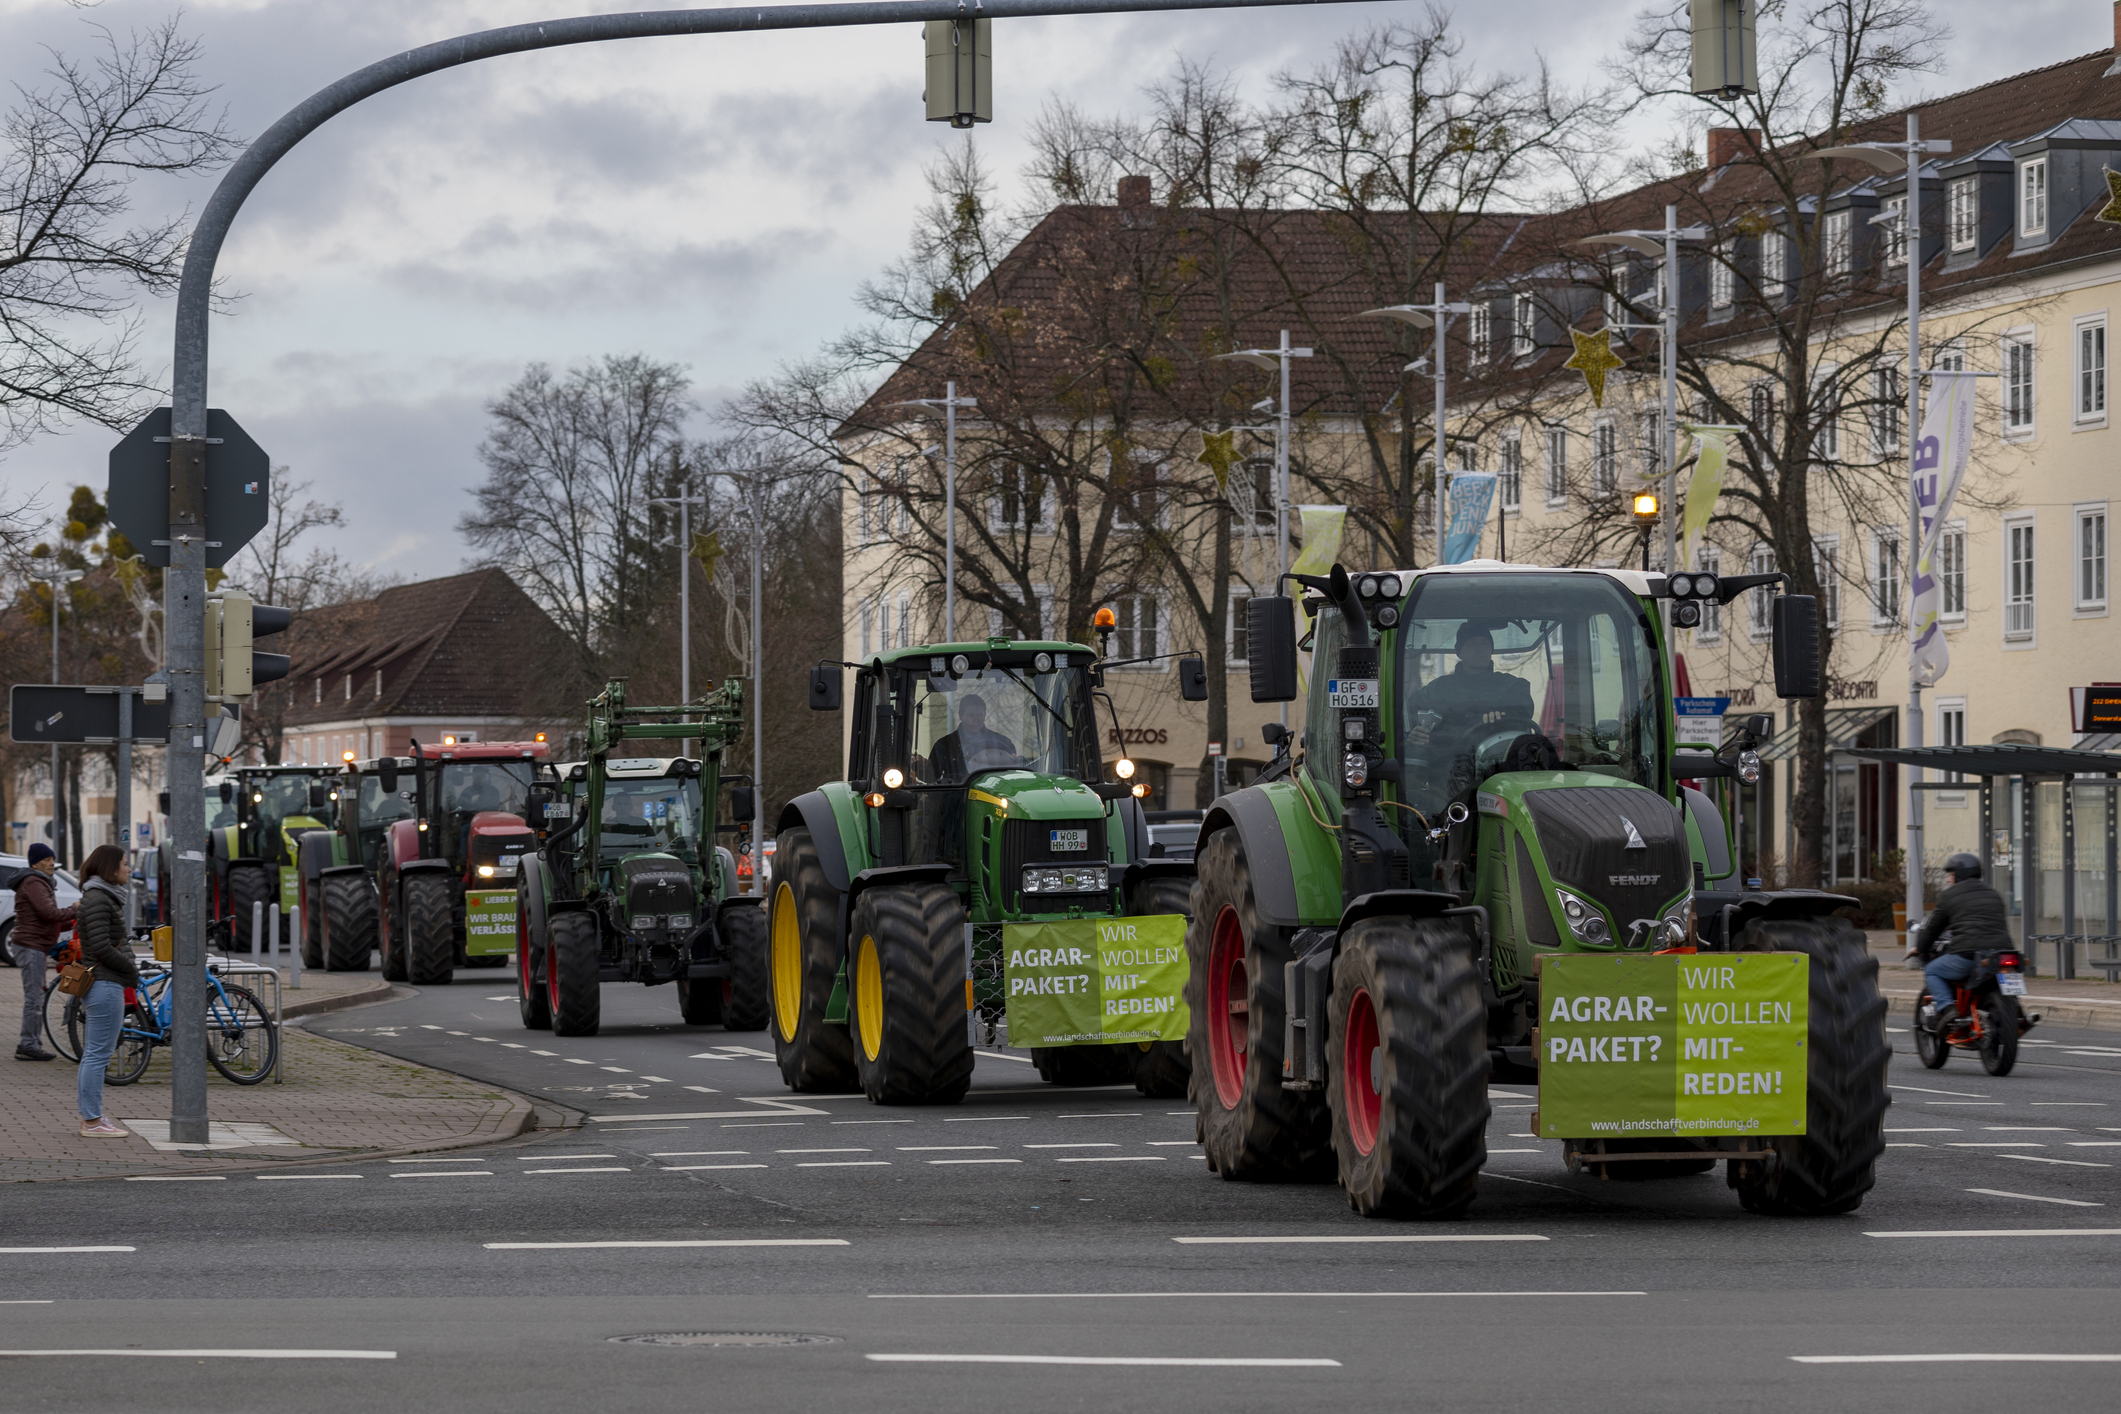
x=1409 y=1069
x=815 y=1055
x=747 y=999
x=572 y=988
x=1161 y=1070
x=906 y=986
x=430 y=944
x=533 y=1003
x=348 y=916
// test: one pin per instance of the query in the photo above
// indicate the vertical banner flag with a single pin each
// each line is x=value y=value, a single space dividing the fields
x=1939 y=462
x=1472 y=492
x=1712 y=453
x=1322 y=526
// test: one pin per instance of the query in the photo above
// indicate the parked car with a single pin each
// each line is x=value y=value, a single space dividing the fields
x=12 y=867
x=1172 y=833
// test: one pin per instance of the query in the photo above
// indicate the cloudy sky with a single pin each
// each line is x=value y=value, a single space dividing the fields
x=713 y=201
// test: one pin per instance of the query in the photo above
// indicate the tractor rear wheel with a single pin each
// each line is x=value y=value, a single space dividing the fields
x=906 y=995
x=430 y=947
x=815 y=1054
x=1250 y=1127
x=533 y=1003
x=747 y=1000
x=1833 y=1164
x=1161 y=1070
x=1086 y=1065
x=390 y=929
x=1408 y=1079
x=347 y=912
x=248 y=884
x=575 y=994
x=312 y=927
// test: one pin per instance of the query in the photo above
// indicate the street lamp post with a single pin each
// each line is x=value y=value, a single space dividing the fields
x=58 y=578
x=949 y=402
x=1434 y=315
x=1277 y=360
x=684 y=505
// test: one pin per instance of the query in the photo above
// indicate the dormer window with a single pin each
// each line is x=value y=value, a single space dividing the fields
x=1523 y=327
x=1479 y=333
x=2032 y=197
x=1893 y=230
x=1962 y=214
x=1834 y=244
x=1774 y=265
x=349 y=687
x=320 y=689
x=379 y=682
x=1723 y=276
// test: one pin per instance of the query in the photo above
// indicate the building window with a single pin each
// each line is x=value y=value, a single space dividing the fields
x=1951 y=572
x=1509 y=476
x=1723 y=276
x=1605 y=459
x=1018 y=502
x=1240 y=612
x=1774 y=265
x=1826 y=403
x=1962 y=214
x=1649 y=443
x=1524 y=327
x=2032 y=197
x=2091 y=559
x=1042 y=598
x=1710 y=561
x=2018 y=580
x=1761 y=561
x=1134 y=502
x=1887 y=400
x=1557 y=465
x=379 y=682
x=1885 y=578
x=865 y=612
x=1616 y=299
x=2091 y=371
x=1479 y=331
x=2018 y=383
x=1826 y=561
x=1951 y=358
x=1136 y=634
x=1951 y=731
x=1835 y=258
x=1893 y=232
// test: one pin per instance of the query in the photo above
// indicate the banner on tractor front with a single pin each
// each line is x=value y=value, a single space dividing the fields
x=1090 y=980
x=489 y=922
x=1707 y=1045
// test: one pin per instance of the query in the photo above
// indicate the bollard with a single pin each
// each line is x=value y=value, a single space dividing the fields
x=257 y=925
x=272 y=935
x=294 y=949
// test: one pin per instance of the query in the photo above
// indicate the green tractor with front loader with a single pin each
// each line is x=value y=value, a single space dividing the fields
x=1481 y=861
x=976 y=879
x=631 y=888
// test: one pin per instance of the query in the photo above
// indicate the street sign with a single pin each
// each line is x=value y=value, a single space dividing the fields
x=238 y=487
x=88 y=716
x=1701 y=719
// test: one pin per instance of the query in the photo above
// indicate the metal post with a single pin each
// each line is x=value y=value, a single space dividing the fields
x=122 y=803
x=58 y=830
x=272 y=935
x=758 y=686
x=1436 y=495
x=949 y=523
x=684 y=599
x=2069 y=880
x=2112 y=933
x=184 y=618
x=295 y=938
x=2028 y=865
x=257 y=926
x=1281 y=463
x=1670 y=437
x=1911 y=233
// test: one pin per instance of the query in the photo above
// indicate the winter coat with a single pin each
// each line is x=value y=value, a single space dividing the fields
x=38 y=918
x=1974 y=913
x=101 y=928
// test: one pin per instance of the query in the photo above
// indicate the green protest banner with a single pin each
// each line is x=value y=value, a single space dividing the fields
x=1086 y=980
x=1701 y=1045
x=489 y=922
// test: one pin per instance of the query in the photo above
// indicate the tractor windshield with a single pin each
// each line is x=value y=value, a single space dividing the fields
x=274 y=798
x=1525 y=672
x=1002 y=719
x=657 y=815
x=469 y=787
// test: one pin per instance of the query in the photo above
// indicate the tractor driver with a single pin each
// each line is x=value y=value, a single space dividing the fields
x=971 y=746
x=1472 y=694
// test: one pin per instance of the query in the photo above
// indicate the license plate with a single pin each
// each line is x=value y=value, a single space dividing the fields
x=2013 y=984
x=1070 y=839
x=1351 y=692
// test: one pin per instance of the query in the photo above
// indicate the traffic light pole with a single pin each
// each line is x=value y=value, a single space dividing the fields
x=184 y=614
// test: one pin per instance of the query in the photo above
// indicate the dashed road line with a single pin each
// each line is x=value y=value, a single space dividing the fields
x=2036 y=1198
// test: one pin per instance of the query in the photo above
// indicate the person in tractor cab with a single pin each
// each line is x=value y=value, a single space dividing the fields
x=1972 y=912
x=1472 y=694
x=971 y=747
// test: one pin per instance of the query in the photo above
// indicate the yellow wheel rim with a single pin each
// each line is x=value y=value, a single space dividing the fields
x=787 y=963
x=869 y=998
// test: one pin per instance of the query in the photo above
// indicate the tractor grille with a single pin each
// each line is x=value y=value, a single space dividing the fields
x=1030 y=842
x=1583 y=830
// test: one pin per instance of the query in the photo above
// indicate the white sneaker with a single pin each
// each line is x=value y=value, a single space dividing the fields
x=104 y=1129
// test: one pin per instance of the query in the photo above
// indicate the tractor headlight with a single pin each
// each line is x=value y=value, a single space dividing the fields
x=1042 y=663
x=1584 y=919
x=644 y=922
x=1355 y=770
x=1687 y=615
x=486 y=871
x=1388 y=585
x=1123 y=768
x=1749 y=767
x=894 y=778
x=681 y=920
x=1066 y=879
x=1140 y=790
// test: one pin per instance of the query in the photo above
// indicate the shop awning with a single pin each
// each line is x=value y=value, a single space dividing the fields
x=1843 y=725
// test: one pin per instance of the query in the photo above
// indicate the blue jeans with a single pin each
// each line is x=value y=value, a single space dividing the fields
x=102 y=1014
x=1944 y=973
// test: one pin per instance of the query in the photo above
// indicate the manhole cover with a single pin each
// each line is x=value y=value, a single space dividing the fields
x=724 y=1338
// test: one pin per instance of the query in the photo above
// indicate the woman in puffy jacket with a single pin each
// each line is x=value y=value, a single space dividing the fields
x=100 y=925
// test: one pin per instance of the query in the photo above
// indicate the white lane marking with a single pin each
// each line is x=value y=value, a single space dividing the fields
x=179 y=1178
x=447 y=1173
x=1495 y=1094
x=1930 y=1129
x=775 y=1124
x=519 y=1046
x=1246 y=1362
x=2073 y=1163
x=982 y=1119
x=226 y=1354
x=487 y=1039
x=649 y=1129
x=671 y=1242
x=1167 y=1143
x=1380 y=1237
x=1517 y=1151
x=872 y=1121
x=1216 y=1295
x=1956 y=1357
x=615 y=1069
x=2069 y=1104
x=1919 y=1090
x=771 y=1107
x=1993 y=1144
x=460 y=1033
x=2027 y=1129
x=821 y=1151
x=458 y=1160
x=595 y=1170
x=997 y=1055
x=975 y=1161
x=577 y=1060
x=1073 y=1146
x=1904 y=1144
x=846 y=1164
x=69 y=1249
x=263 y=1176
x=704 y=1153
x=1105 y=1114
x=701 y=1168
x=512 y=996
x=943 y=1148
x=536 y=1052
x=1966 y=1104
x=27 y=1301
x=1110 y=1159
x=2005 y=1232
x=704 y=1089
x=430 y=1026
x=537 y=1158
x=2036 y=1198
x=665 y=1080
x=2095 y=1143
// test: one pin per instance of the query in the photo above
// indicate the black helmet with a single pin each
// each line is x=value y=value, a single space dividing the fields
x=1963 y=866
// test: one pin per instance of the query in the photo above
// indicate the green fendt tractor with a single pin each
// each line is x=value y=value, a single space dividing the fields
x=976 y=799
x=1488 y=805
x=257 y=816
x=631 y=888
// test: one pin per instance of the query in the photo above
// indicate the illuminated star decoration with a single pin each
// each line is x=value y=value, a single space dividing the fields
x=1594 y=359
x=1218 y=453
x=2111 y=212
x=707 y=549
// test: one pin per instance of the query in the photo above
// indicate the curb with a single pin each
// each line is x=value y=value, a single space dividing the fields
x=316 y=1006
x=2051 y=1012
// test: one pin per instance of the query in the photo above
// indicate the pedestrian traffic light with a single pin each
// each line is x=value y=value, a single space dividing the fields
x=960 y=72
x=233 y=668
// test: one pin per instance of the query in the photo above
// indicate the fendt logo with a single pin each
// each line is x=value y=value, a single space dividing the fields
x=1633 y=881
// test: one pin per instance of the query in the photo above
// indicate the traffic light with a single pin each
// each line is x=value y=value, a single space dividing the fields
x=1726 y=62
x=960 y=71
x=233 y=669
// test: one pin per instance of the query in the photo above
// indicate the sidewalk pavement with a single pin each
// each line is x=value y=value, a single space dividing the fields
x=337 y=1102
x=2079 y=1002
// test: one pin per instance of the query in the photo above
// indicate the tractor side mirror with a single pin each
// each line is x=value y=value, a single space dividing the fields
x=743 y=804
x=825 y=689
x=387 y=775
x=1794 y=622
x=1760 y=725
x=228 y=793
x=162 y=802
x=319 y=794
x=1274 y=734
x=1193 y=680
x=1270 y=645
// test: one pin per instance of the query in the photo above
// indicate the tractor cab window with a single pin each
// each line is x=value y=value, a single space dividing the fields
x=469 y=787
x=1525 y=672
x=376 y=809
x=1000 y=719
x=219 y=813
x=656 y=815
x=267 y=802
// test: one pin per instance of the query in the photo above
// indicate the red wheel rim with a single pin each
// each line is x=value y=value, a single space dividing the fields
x=1359 y=1056
x=1229 y=1008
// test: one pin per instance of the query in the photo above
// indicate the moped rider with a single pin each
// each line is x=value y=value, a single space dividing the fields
x=1972 y=912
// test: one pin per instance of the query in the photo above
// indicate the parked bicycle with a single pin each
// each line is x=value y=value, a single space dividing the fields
x=242 y=1041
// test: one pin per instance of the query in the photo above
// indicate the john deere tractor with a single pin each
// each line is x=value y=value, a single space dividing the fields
x=1482 y=862
x=975 y=809
x=631 y=887
x=257 y=817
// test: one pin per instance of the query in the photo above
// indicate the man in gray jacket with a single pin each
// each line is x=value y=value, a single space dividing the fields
x=1973 y=913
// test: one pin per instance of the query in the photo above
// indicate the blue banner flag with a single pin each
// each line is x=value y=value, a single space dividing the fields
x=1472 y=492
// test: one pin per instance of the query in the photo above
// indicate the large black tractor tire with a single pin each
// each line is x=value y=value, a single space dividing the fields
x=747 y=1002
x=347 y=913
x=1250 y=1127
x=312 y=925
x=1407 y=1067
x=1833 y=1164
x=815 y=1055
x=248 y=884
x=1161 y=1070
x=390 y=929
x=1085 y=1065
x=533 y=1003
x=576 y=995
x=906 y=995
x=430 y=942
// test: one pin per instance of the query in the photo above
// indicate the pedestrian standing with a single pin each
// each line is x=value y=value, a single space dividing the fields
x=105 y=948
x=38 y=922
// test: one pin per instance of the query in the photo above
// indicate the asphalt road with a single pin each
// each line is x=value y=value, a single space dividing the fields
x=1005 y=1251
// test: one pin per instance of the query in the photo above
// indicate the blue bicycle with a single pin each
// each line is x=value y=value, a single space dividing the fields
x=241 y=1039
